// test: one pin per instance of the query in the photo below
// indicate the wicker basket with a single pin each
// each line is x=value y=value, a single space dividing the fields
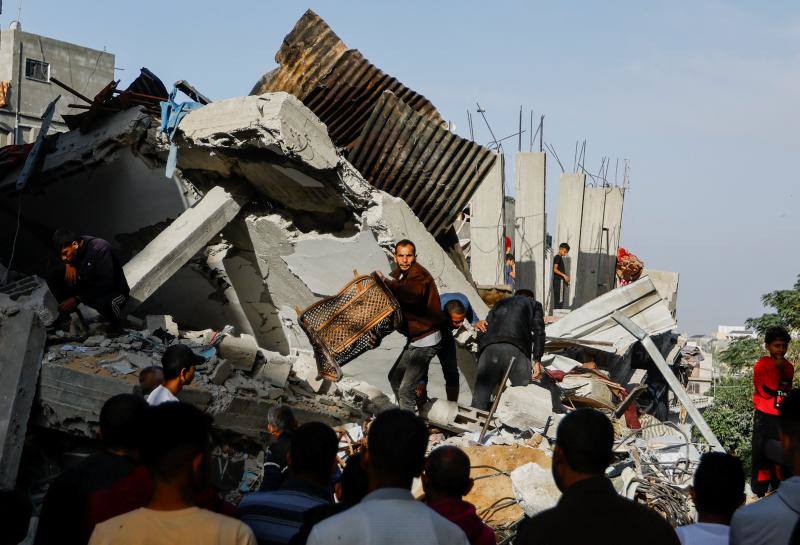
x=351 y=322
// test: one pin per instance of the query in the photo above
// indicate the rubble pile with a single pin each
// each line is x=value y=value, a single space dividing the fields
x=250 y=209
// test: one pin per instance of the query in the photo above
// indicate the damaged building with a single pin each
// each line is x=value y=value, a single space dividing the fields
x=233 y=216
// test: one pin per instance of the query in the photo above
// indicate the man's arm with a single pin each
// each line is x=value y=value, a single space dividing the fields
x=538 y=332
x=559 y=273
x=759 y=381
x=434 y=304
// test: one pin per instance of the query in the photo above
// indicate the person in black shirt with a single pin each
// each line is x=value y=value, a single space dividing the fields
x=590 y=510
x=89 y=272
x=65 y=514
x=560 y=276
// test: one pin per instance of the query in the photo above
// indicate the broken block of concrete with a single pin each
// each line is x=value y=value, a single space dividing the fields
x=94 y=340
x=240 y=352
x=364 y=396
x=176 y=244
x=22 y=338
x=164 y=322
x=305 y=368
x=43 y=303
x=534 y=488
x=525 y=407
x=275 y=373
x=221 y=372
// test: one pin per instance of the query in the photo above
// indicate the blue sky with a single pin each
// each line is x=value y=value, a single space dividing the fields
x=700 y=96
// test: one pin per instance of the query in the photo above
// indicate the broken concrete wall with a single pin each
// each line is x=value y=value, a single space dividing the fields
x=666 y=283
x=530 y=223
x=22 y=338
x=487 y=249
x=568 y=226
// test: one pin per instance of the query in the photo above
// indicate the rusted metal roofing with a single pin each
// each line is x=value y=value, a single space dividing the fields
x=392 y=134
x=410 y=156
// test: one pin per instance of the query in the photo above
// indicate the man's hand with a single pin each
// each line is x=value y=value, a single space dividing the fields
x=537 y=371
x=380 y=275
x=70 y=275
x=68 y=305
x=482 y=326
x=567 y=279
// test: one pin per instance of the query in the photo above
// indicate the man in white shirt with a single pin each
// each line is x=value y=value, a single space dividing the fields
x=178 y=363
x=775 y=518
x=718 y=491
x=390 y=515
x=176 y=450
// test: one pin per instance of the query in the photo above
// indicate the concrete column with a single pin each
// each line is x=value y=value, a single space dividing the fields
x=530 y=222
x=612 y=222
x=22 y=337
x=568 y=225
x=486 y=228
x=176 y=244
x=591 y=249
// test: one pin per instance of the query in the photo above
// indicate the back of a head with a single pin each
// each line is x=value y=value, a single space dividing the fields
x=176 y=358
x=122 y=421
x=63 y=237
x=396 y=443
x=789 y=418
x=313 y=450
x=15 y=512
x=586 y=438
x=281 y=418
x=448 y=471
x=525 y=293
x=176 y=433
x=719 y=484
x=355 y=480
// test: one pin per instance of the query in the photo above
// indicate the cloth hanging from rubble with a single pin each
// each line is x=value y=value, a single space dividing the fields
x=4 y=86
x=629 y=267
x=171 y=115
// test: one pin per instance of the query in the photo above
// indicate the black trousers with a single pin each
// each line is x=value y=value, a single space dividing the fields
x=766 y=472
x=492 y=365
x=110 y=304
x=408 y=371
x=558 y=293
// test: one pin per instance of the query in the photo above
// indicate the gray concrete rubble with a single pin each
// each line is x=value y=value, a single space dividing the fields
x=22 y=337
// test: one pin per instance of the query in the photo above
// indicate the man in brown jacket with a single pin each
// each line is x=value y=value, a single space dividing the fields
x=415 y=290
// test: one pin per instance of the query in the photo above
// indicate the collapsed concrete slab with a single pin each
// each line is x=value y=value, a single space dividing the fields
x=176 y=244
x=22 y=337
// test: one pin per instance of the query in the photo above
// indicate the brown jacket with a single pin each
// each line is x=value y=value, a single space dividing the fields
x=416 y=292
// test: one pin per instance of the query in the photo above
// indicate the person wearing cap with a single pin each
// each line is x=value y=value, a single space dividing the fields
x=179 y=364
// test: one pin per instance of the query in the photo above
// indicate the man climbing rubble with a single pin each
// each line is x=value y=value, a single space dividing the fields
x=515 y=332
x=87 y=271
x=415 y=290
x=461 y=326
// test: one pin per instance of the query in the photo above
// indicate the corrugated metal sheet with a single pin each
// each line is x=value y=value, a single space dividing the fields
x=393 y=135
x=592 y=324
x=410 y=156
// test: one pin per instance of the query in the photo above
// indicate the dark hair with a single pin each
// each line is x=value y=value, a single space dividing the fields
x=564 y=245
x=448 y=471
x=789 y=418
x=176 y=433
x=355 y=480
x=776 y=333
x=454 y=306
x=509 y=256
x=405 y=242
x=63 y=237
x=313 y=450
x=282 y=418
x=178 y=357
x=17 y=510
x=525 y=293
x=586 y=438
x=122 y=421
x=719 y=484
x=396 y=443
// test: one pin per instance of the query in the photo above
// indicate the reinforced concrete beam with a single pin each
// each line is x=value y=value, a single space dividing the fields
x=486 y=228
x=568 y=224
x=530 y=222
x=176 y=244
x=22 y=337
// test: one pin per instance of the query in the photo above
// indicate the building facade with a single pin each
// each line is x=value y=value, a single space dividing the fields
x=28 y=62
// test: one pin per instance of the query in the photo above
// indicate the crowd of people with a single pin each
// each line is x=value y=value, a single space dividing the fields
x=150 y=484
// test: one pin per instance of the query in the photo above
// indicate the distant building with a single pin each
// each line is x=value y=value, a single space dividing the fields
x=27 y=64
x=731 y=332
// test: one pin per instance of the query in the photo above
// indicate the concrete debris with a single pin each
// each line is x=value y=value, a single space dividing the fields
x=305 y=369
x=32 y=292
x=534 y=488
x=221 y=373
x=22 y=337
x=241 y=352
x=164 y=322
x=527 y=407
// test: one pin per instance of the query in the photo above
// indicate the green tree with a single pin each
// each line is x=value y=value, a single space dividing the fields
x=787 y=310
x=731 y=416
x=742 y=353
